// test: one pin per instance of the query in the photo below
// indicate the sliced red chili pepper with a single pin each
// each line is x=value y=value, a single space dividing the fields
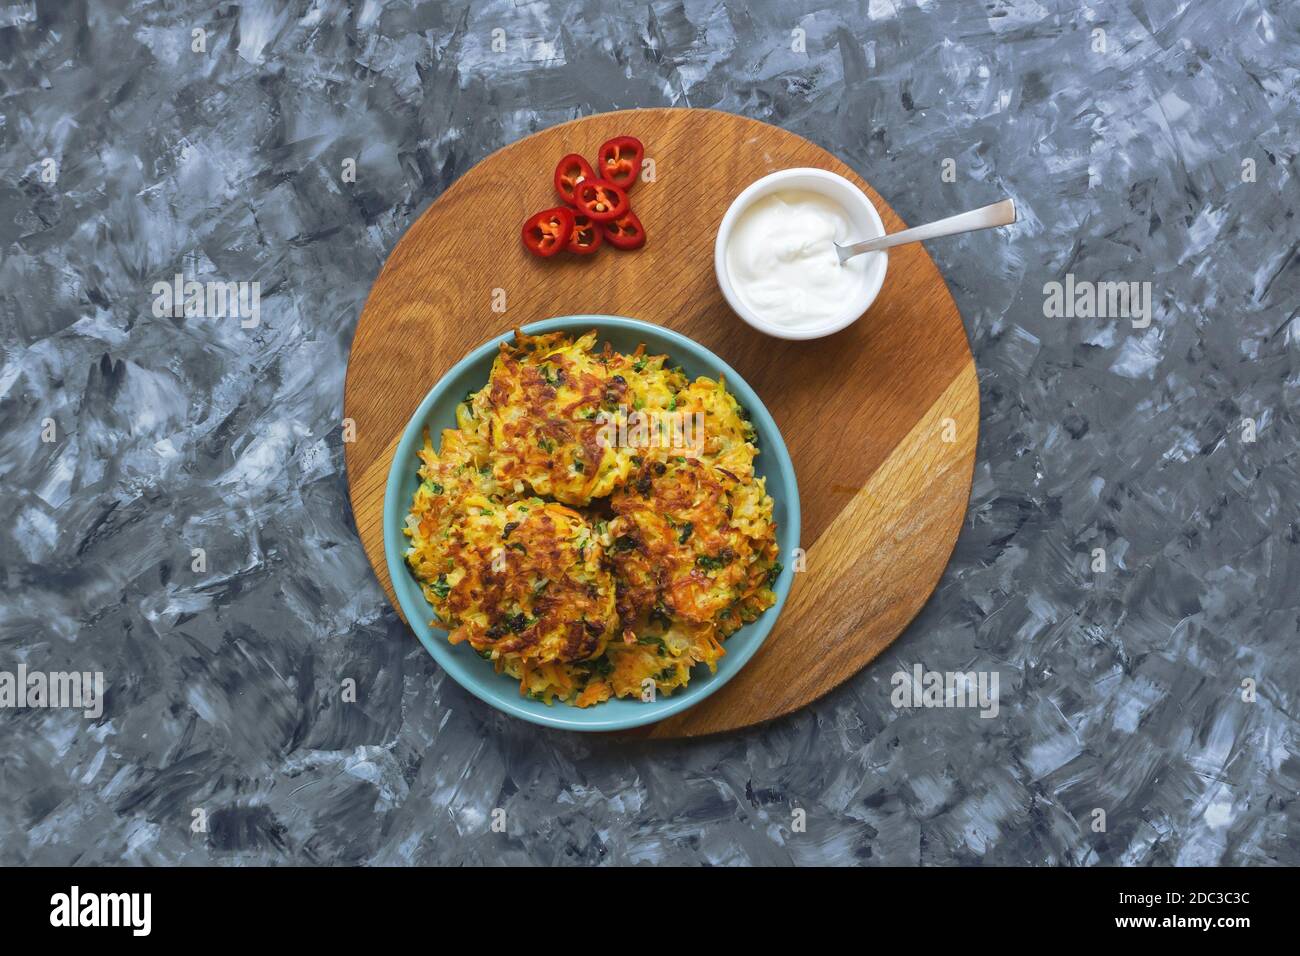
x=600 y=199
x=547 y=232
x=570 y=171
x=625 y=232
x=620 y=161
x=586 y=236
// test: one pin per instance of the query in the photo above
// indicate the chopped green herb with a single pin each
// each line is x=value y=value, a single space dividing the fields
x=774 y=573
x=659 y=615
x=725 y=557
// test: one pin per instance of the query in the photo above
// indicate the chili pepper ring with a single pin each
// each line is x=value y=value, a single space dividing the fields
x=600 y=199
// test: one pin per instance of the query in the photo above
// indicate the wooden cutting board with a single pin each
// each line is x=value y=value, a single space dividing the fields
x=881 y=419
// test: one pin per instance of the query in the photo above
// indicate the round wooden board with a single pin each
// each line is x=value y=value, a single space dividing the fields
x=881 y=419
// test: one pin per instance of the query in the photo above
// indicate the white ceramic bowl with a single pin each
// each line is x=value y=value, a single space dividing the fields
x=866 y=225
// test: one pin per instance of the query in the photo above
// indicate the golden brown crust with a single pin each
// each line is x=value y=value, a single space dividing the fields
x=534 y=585
x=546 y=397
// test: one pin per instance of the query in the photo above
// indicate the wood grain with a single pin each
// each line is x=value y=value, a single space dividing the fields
x=881 y=419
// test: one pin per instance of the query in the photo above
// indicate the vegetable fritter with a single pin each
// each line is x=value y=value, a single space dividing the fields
x=689 y=541
x=544 y=400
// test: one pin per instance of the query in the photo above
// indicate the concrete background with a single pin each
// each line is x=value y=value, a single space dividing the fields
x=1130 y=154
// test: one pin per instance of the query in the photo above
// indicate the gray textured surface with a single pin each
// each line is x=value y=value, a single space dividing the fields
x=1119 y=691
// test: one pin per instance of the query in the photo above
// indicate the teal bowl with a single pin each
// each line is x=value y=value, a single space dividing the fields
x=438 y=411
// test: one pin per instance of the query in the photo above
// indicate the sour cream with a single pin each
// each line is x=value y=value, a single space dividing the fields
x=781 y=259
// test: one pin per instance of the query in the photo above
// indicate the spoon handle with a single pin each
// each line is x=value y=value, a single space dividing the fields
x=986 y=217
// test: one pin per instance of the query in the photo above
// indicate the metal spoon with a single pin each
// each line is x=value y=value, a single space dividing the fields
x=986 y=217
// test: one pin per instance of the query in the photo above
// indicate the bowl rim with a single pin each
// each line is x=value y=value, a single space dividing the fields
x=413 y=604
x=852 y=312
